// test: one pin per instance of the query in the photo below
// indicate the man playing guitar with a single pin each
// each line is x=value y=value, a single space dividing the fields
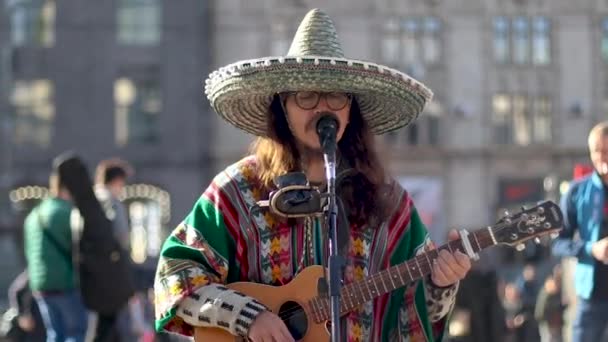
x=229 y=238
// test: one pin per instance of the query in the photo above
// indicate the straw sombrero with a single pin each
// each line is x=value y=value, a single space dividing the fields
x=241 y=92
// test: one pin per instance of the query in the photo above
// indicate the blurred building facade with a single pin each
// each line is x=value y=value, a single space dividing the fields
x=104 y=79
x=517 y=83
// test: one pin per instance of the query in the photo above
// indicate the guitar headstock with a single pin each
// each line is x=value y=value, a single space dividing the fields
x=543 y=219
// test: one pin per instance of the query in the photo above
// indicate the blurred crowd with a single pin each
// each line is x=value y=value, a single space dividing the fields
x=24 y=322
x=530 y=306
x=560 y=292
x=530 y=299
x=45 y=299
x=525 y=304
x=521 y=300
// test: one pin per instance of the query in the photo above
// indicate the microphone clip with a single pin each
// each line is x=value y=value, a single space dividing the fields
x=295 y=197
x=327 y=129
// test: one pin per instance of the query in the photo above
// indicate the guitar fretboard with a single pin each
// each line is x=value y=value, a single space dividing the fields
x=360 y=292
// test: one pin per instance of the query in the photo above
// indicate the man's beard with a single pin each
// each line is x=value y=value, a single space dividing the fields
x=308 y=153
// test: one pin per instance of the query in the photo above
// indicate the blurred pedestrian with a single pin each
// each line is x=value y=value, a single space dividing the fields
x=52 y=276
x=22 y=321
x=528 y=287
x=550 y=308
x=111 y=177
x=478 y=313
x=585 y=236
x=515 y=317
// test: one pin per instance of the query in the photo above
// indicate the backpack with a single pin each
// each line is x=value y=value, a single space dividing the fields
x=105 y=270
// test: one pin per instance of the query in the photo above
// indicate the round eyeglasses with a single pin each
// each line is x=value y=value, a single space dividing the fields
x=310 y=99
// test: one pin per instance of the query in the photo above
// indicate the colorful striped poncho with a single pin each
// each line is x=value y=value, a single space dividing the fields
x=227 y=238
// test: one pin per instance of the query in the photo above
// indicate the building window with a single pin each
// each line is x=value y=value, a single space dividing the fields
x=408 y=36
x=501 y=40
x=433 y=130
x=431 y=42
x=413 y=133
x=541 y=120
x=501 y=122
x=34 y=112
x=139 y=22
x=424 y=131
x=407 y=42
x=604 y=43
x=32 y=22
x=541 y=42
x=390 y=42
x=138 y=107
x=521 y=120
x=522 y=40
x=149 y=213
x=604 y=98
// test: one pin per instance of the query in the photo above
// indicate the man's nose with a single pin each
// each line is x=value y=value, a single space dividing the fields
x=322 y=105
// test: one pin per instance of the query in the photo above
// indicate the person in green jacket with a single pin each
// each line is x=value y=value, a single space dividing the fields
x=53 y=279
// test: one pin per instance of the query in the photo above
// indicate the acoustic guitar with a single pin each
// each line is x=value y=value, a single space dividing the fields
x=306 y=314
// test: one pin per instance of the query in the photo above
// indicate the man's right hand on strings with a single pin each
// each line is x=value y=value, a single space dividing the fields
x=268 y=327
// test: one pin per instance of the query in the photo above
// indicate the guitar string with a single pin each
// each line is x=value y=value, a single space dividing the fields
x=484 y=239
x=287 y=314
x=291 y=312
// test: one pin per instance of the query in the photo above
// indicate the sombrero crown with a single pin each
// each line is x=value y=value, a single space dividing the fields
x=241 y=92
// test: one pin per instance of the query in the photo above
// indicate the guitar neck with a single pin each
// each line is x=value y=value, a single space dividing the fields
x=360 y=292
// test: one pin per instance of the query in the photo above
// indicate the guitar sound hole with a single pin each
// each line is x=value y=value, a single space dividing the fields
x=295 y=319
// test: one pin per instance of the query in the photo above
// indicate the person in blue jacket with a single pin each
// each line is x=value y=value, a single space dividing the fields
x=585 y=236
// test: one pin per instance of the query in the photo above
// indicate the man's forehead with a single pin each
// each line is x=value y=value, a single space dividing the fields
x=599 y=141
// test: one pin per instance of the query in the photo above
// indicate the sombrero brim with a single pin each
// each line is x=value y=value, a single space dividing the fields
x=241 y=93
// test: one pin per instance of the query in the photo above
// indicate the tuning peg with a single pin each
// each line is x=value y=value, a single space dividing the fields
x=537 y=240
x=523 y=208
x=506 y=213
x=540 y=210
x=520 y=247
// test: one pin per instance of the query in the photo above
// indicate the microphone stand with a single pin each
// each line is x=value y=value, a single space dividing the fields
x=336 y=262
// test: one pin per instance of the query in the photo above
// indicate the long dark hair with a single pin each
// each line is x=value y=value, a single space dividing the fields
x=363 y=192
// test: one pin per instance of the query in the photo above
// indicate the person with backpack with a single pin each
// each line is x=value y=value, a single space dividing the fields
x=104 y=268
x=51 y=271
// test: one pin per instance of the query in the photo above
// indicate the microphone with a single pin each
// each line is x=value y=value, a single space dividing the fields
x=327 y=129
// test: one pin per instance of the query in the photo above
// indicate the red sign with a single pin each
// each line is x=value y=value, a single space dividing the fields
x=581 y=170
x=519 y=191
